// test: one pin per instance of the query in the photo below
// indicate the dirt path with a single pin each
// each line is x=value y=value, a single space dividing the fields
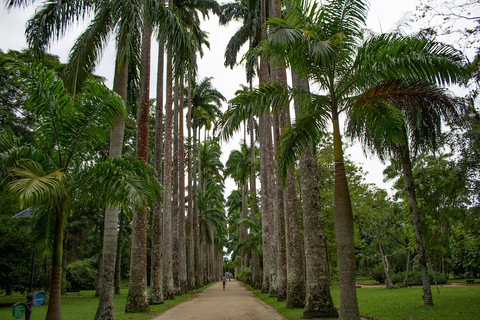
x=235 y=303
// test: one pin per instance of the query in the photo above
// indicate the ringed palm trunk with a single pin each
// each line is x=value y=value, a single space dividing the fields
x=412 y=201
x=295 y=265
x=54 y=310
x=137 y=300
x=109 y=248
x=318 y=300
x=168 y=290
x=191 y=220
x=267 y=227
x=175 y=212
x=344 y=230
x=182 y=254
x=256 y=272
x=279 y=222
x=156 y=282
x=197 y=224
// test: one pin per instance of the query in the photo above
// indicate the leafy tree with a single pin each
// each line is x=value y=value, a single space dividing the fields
x=49 y=173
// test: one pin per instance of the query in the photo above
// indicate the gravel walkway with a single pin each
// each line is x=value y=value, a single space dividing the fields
x=235 y=303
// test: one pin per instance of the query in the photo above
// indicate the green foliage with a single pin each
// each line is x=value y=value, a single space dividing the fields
x=244 y=273
x=378 y=273
x=15 y=246
x=82 y=275
x=415 y=278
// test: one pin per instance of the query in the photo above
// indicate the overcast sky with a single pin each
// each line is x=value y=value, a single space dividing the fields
x=383 y=16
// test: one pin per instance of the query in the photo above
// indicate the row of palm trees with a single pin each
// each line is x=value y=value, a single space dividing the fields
x=178 y=28
x=389 y=88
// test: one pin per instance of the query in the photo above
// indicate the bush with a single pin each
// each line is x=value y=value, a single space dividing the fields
x=244 y=273
x=378 y=273
x=415 y=278
x=82 y=275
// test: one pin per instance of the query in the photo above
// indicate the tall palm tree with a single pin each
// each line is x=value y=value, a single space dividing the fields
x=344 y=67
x=66 y=126
x=420 y=115
x=238 y=167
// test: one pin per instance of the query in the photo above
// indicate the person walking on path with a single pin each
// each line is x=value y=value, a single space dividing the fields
x=224 y=280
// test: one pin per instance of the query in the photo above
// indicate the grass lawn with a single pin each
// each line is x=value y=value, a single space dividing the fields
x=451 y=303
x=83 y=306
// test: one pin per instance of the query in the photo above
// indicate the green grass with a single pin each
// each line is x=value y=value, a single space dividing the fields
x=84 y=306
x=451 y=303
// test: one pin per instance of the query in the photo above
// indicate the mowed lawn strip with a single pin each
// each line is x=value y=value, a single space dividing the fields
x=399 y=304
x=83 y=306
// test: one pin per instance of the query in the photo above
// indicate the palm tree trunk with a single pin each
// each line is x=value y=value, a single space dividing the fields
x=196 y=223
x=137 y=300
x=295 y=258
x=410 y=188
x=54 y=310
x=105 y=304
x=175 y=212
x=256 y=272
x=156 y=281
x=191 y=220
x=168 y=290
x=279 y=223
x=344 y=230
x=318 y=300
x=182 y=254
x=118 y=263
x=264 y=129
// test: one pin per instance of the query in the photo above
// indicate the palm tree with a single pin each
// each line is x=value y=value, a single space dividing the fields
x=238 y=167
x=66 y=126
x=420 y=115
x=325 y=45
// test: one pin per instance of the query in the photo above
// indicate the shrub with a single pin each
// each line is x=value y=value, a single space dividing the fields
x=378 y=273
x=415 y=278
x=244 y=273
x=82 y=275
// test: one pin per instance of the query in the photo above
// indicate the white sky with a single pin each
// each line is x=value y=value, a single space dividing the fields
x=384 y=14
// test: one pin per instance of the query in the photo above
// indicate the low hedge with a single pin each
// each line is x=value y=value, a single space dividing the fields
x=415 y=278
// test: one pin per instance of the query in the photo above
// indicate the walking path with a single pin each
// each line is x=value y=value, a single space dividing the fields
x=235 y=303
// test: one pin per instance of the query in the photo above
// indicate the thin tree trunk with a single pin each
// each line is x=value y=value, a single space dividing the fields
x=386 y=267
x=168 y=290
x=156 y=281
x=344 y=230
x=256 y=272
x=318 y=300
x=175 y=212
x=54 y=311
x=137 y=299
x=106 y=272
x=118 y=264
x=410 y=188
x=182 y=254
x=191 y=220
x=197 y=224
x=405 y=280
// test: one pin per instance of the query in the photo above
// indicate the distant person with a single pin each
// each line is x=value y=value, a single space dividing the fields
x=224 y=280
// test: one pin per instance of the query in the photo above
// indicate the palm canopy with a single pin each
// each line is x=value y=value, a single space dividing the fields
x=124 y=19
x=326 y=45
x=206 y=102
x=248 y=12
x=238 y=164
x=51 y=172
